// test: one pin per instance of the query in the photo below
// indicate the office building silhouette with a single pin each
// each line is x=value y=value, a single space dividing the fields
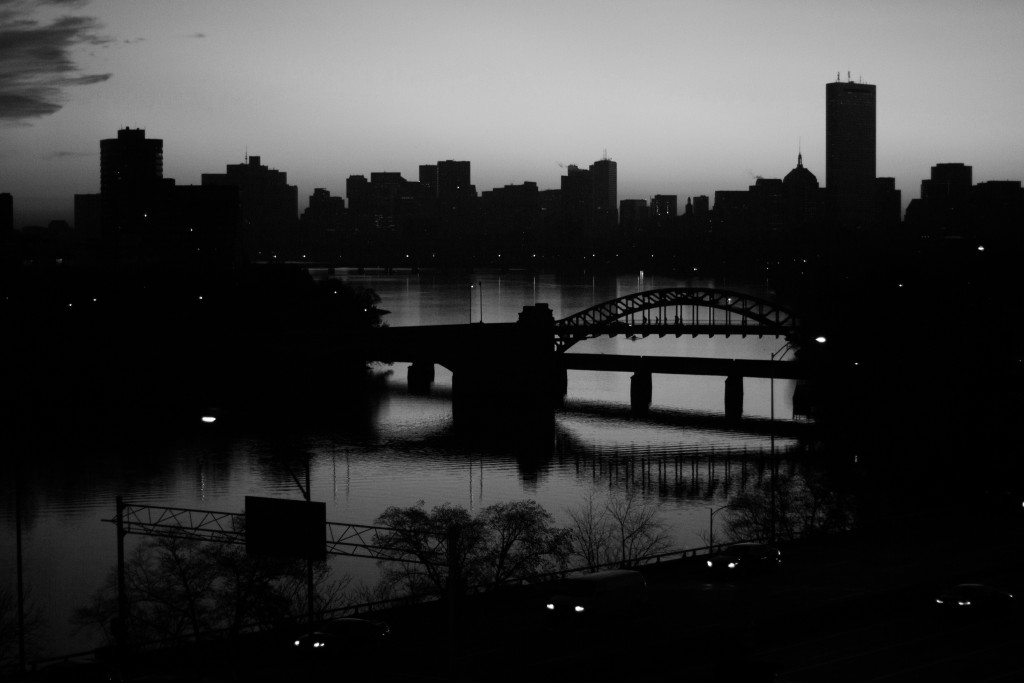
x=664 y=206
x=428 y=179
x=131 y=179
x=269 y=207
x=453 y=183
x=605 y=200
x=850 y=152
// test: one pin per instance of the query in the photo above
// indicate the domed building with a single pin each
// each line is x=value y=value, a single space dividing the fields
x=802 y=199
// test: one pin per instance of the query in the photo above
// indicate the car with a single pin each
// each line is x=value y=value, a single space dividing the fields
x=745 y=558
x=604 y=593
x=341 y=636
x=975 y=599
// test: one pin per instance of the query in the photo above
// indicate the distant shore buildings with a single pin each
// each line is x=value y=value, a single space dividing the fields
x=249 y=212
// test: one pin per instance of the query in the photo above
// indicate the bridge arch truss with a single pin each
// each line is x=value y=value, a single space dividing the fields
x=677 y=311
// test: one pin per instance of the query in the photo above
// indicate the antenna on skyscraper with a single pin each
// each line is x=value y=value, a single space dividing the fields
x=605 y=156
x=247 y=154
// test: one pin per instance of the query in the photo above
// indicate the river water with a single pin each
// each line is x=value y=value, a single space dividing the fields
x=405 y=449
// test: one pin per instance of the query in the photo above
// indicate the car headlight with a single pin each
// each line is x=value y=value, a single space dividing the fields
x=297 y=643
x=940 y=601
x=965 y=603
x=551 y=605
x=578 y=608
x=710 y=563
x=732 y=565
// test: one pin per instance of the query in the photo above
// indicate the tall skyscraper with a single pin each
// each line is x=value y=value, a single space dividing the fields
x=131 y=177
x=604 y=181
x=130 y=162
x=850 y=152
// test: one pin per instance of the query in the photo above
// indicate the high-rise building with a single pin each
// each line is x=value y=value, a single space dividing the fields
x=949 y=184
x=665 y=206
x=604 y=185
x=428 y=179
x=130 y=162
x=633 y=213
x=269 y=207
x=357 y=189
x=576 y=194
x=850 y=152
x=131 y=177
x=453 y=181
x=945 y=200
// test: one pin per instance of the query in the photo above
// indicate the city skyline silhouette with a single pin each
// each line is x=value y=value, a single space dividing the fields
x=680 y=97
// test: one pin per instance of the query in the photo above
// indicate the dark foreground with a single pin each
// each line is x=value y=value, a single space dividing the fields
x=854 y=608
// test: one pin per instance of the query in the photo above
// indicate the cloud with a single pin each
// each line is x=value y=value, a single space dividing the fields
x=36 y=64
x=63 y=154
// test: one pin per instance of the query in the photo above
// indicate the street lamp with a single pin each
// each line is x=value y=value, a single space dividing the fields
x=480 y=285
x=777 y=355
x=771 y=380
x=711 y=526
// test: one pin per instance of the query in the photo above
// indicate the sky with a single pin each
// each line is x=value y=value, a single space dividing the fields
x=686 y=97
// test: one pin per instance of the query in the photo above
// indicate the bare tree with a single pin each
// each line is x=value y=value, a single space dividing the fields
x=590 y=533
x=803 y=505
x=637 y=525
x=520 y=541
x=624 y=528
x=416 y=556
x=178 y=588
x=422 y=549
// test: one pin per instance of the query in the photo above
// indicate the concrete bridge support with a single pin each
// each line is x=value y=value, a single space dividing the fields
x=508 y=377
x=420 y=376
x=640 y=391
x=734 y=396
x=561 y=387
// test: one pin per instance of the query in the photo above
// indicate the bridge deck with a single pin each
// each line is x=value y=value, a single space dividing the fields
x=684 y=365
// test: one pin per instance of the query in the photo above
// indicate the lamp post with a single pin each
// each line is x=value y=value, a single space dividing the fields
x=771 y=380
x=777 y=355
x=711 y=526
x=480 y=286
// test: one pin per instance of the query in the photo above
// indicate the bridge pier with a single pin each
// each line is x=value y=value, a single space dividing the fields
x=420 y=376
x=640 y=391
x=734 y=396
x=512 y=379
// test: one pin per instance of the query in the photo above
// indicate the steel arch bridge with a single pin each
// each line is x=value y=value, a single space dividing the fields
x=677 y=311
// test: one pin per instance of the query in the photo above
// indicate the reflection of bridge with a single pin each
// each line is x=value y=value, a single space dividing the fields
x=499 y=367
